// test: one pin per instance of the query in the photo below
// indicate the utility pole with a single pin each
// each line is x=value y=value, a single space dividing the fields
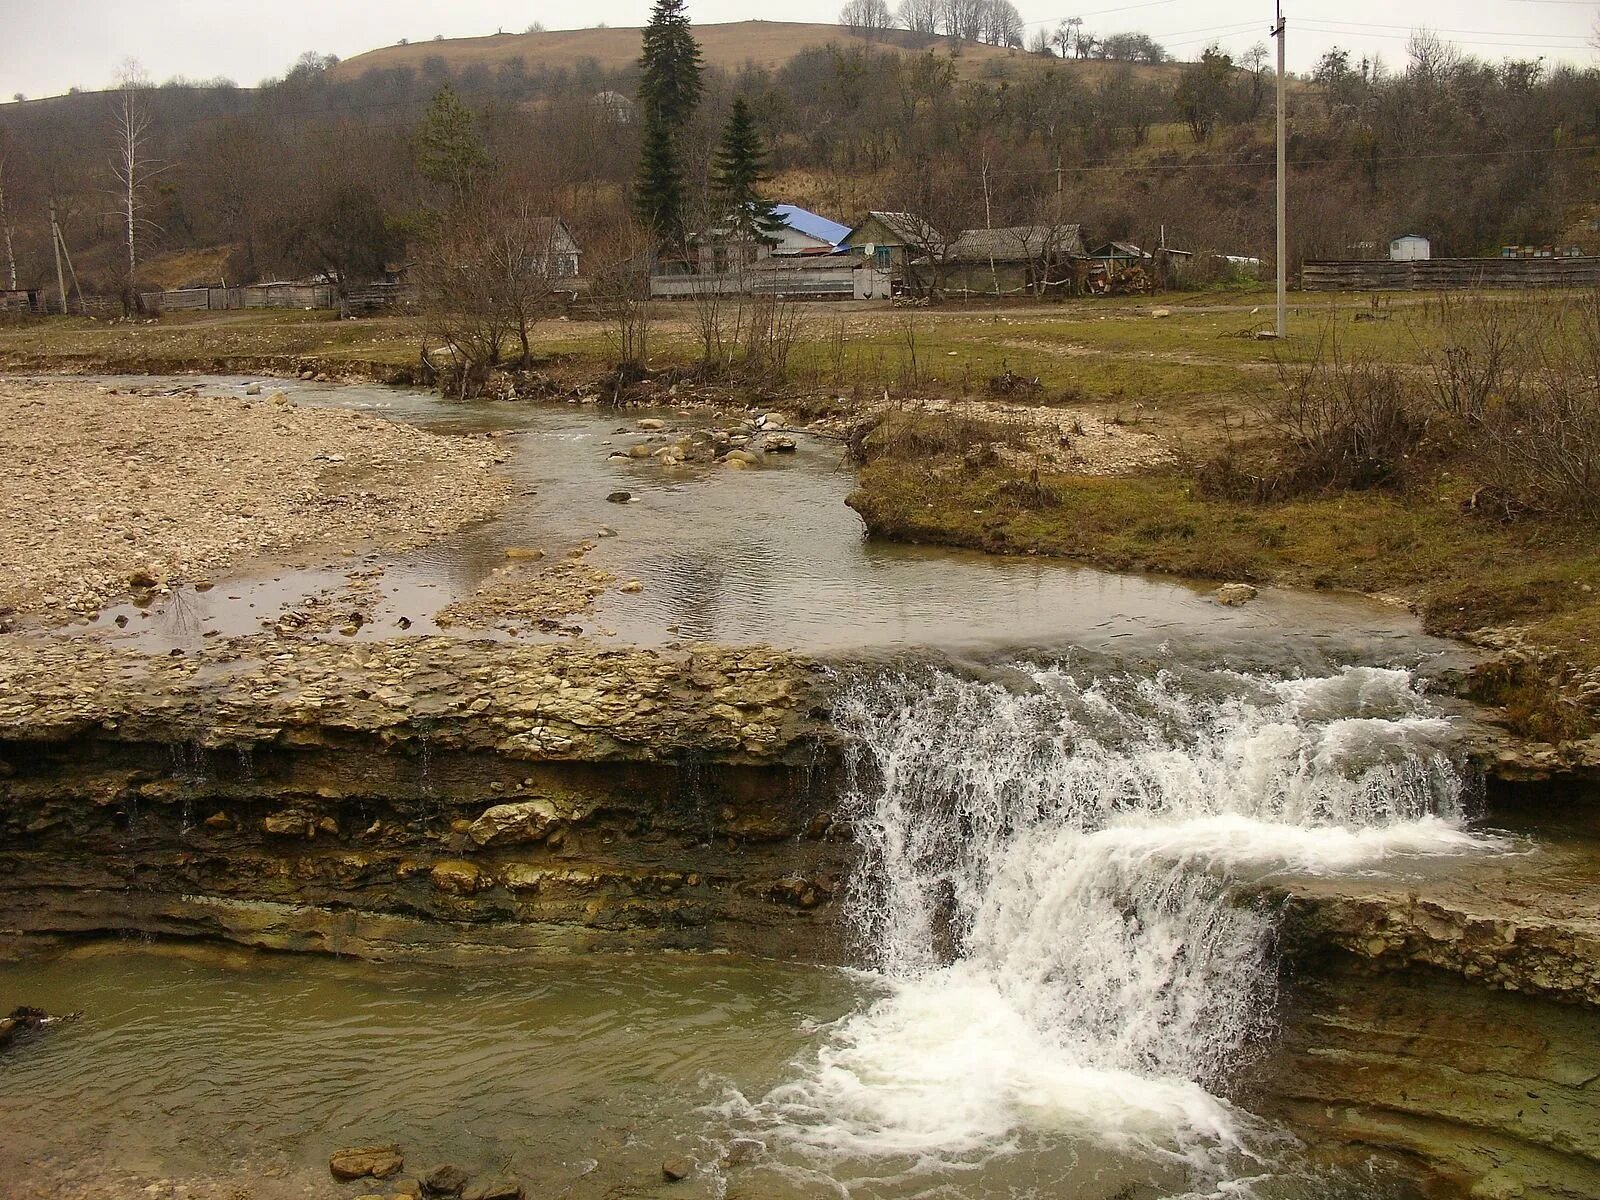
x=1283 y=191
x=55 y=242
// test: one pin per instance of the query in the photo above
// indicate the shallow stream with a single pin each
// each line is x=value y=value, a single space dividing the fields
x=769 y=556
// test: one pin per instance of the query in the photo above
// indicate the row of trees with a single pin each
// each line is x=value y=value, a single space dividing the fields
x=319 y=173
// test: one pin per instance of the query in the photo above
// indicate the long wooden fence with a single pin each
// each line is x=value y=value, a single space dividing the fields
x=1450 y=274
x=260 y=295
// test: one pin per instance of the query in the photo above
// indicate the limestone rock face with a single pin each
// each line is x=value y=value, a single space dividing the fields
x=361 y=1162
x=513 y=824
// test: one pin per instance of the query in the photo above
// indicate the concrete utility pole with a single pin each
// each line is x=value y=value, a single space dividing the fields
x=1283 y=192
x=55 y=241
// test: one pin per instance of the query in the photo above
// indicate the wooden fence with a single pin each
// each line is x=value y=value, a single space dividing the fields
x=259 y=295
x=1449 y=274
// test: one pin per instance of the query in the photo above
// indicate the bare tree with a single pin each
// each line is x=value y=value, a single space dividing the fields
x=487 y=277
x=920 y=16
x=620 y=257
x=867 y=17
x=5 y=225
x=132 y=167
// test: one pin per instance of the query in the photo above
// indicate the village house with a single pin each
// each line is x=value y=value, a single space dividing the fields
x=722 y=248
x=803 y=258
x=562 y=258
x=1016 y=260
x=892 y=239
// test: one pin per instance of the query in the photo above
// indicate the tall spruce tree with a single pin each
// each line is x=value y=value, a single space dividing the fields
x=658 y=198
x=669 y=90
x=669 y=68
x=737 y=173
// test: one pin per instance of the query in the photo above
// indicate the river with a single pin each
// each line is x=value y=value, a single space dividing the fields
x=1056 y=978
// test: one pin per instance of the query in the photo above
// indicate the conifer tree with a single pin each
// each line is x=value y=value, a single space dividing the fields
x=737 y=173
x=669 y=90
x=669 y=68
x=449 y=149
x=658 y=199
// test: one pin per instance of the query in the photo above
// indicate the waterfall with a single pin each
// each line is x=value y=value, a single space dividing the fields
x=1045 y=896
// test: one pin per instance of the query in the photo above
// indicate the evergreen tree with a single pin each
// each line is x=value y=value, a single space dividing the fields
x=669 y=90
x=669 y=68
x=658 y=198
x=449 y=149
x=737 y=172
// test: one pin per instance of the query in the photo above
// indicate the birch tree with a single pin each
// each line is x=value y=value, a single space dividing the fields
x=5 y=227
x=132 y=166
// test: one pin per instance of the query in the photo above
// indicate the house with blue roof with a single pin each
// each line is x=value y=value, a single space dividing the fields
x=723 y=248
x=804 y=258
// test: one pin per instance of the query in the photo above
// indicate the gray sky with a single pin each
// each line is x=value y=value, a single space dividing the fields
x=47 y=46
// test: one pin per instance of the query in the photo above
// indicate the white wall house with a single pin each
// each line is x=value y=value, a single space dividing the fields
x=1409 y=247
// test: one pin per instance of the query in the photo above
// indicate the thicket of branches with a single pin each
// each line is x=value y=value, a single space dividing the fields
x=1509 y=401
x=1475 y=154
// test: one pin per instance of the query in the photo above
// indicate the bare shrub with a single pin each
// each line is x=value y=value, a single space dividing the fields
x=620 y=257
x=1520 y=386
x=1347 y=423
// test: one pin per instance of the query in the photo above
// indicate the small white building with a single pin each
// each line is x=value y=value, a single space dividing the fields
x=1410 y=247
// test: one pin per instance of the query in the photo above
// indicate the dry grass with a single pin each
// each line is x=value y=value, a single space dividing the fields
x=729 y=47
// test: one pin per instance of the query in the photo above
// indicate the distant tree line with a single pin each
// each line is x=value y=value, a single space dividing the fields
x=323 y=172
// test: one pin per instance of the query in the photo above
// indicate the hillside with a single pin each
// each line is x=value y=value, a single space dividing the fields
x=728 y=47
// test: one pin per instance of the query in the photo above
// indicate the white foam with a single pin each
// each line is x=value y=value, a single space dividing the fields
x=1045 y=889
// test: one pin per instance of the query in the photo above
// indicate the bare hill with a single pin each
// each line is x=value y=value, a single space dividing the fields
x=730 y=46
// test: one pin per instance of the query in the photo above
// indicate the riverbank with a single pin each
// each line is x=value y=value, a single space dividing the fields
x=112 y=491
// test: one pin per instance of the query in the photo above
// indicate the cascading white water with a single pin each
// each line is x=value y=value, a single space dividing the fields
x=1045 y=892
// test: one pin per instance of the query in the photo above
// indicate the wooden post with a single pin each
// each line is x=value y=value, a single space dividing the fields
x=55 y=242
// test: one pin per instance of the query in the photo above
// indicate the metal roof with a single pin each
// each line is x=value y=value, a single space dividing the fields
x=909 y=228
x=1018 y=243
x=809 y=223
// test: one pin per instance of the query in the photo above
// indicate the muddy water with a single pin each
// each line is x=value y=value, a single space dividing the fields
x=238 y=1074
x=771 y=556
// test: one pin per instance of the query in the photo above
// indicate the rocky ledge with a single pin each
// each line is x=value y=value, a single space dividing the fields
x=1527 y=920
x=571 y=701
x=430 y=799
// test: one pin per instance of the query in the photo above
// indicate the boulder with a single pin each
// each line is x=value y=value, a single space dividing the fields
x=511 y=824
x=406 y=1186
x=641 y=450
x=632 y=587
x=455 y=877
x=620 y=497
x=779 y=444
x=742 y=456
x=286 y=824
x=524 y=552
x=362 y=1162
x=499 y=1188
x=445 y=1180
x=651 y=423
x=1235 y=594
x=675 y=1168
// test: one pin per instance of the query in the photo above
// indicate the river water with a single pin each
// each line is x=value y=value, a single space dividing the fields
x=1059 y=983
x=771 y=556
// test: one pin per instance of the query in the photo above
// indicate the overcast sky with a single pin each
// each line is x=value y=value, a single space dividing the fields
x=47 y=46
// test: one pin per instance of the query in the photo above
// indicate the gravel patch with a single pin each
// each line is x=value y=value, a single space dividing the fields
x=108 y=492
